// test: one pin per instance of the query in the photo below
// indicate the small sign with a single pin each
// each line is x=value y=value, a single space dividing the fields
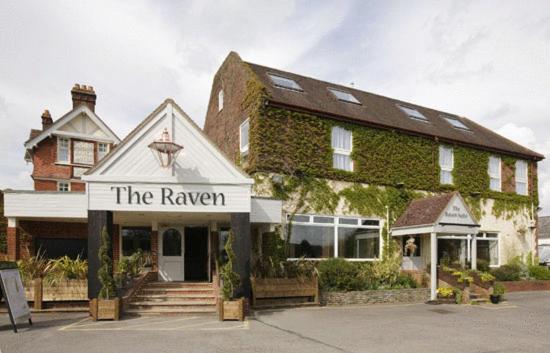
x=83 y=152
x=14 y=296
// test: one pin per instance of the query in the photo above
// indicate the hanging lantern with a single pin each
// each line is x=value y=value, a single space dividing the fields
x=165 y=150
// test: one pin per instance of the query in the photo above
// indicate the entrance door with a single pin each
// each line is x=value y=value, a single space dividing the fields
x=196 y=254
x=171 y=244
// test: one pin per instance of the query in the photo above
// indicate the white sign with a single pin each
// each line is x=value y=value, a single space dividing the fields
x=15 y=294
x=456 y=213
x=83 y=152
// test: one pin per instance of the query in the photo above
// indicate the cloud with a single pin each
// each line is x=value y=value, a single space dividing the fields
x=487 y=60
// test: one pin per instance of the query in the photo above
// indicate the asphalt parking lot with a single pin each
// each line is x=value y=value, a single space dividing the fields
x=521 y=324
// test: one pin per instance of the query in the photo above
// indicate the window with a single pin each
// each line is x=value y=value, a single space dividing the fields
x=521 y=177
x=283 y=82
x=413 y=113
x=412 y=246
x=342 y=146
x=243 y=136
x=319 y=237
x=171 y=242
x=446 y=164
x=487 y=248
x=63 y=186
x=457 y=124
x=220 y=100
x=494 y=173
x=134 y=238
x=102 y=150
x=344 y=96
x=63 y=150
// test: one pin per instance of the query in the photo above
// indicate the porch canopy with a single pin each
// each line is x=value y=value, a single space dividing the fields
x=445 y=214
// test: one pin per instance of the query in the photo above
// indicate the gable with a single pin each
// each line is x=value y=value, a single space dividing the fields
x=81 y=123
x=199 y=161
x=456 y=213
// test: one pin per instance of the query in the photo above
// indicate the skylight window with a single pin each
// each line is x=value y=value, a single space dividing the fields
x=344 y=96
x=413 y=113
x=457 y=124
x=283 y=82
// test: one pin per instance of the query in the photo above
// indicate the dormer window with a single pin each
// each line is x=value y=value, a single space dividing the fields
x=220 y=100
x=413 y=113
x=286 y=83
x=344 y=96
x=63 y=150
x=457 y=124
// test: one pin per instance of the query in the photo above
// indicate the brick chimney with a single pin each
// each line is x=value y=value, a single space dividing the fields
x=46 y=120
x=83 y=94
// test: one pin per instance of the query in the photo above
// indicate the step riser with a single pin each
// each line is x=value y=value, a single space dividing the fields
x=176 y=291
x=177 y=309
x=174 y=299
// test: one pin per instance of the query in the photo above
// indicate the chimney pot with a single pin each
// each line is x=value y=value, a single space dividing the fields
x=46 y=120
x=83 y=95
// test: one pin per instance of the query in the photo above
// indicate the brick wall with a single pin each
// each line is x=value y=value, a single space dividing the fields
x=13 y=244
x=390 y=296
x=223 y=126
x=508 y=179
x=44 y=158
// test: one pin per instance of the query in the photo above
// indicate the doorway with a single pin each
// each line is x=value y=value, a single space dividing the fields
x=171 y=264
x=196 y=253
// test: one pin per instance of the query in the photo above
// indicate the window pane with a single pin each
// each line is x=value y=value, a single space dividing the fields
x=487 y=250
x=446 y=177
x=300 y=218
x=412 y=246
x=284 y=82
x=344 y=96
x=521 y=170
x=134 y=239
x=495 y=184
x=370 y=222
x=412 y=113
x=456 y=123
x=521 y=188
x=244 y=136
x=311 y=241
x=356 y=243
x=318 y=219
x=494 y=166
x=445 y=158
x=63 y=150
x=341 y=161
x=341 y=138
x=171 y=242
x=102 y=150
x=352 y=221
x=220 y=100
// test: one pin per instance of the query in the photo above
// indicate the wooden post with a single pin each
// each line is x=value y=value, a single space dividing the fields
x=38 y=293
x=473 y=254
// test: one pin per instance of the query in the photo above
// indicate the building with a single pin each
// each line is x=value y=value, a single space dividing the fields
x=544 y=240
x=336 y=171
x=347 y=163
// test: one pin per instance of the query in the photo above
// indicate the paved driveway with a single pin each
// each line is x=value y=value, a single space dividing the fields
x=522 y=324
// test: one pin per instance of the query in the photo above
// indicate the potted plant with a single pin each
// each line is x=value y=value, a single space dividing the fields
x=107 y=305
x=230 y=308
x=498 y=292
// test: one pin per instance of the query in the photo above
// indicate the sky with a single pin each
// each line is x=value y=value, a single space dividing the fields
x=486 y=60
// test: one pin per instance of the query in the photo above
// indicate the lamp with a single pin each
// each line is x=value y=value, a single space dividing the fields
x=165 y=150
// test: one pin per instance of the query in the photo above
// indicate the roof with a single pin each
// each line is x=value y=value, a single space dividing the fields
x=380 y=111
x=544 y=227
x=424 y=211
x=33 y=133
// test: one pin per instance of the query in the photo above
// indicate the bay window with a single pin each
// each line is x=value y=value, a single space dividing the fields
x=319 y=237
x=342 y=147
x=494 y=173
x=446 y=165
x=521 y=177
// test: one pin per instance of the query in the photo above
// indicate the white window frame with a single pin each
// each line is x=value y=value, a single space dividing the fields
x=244 y=149
x=107 y=149
x=495 y=176
x=220 y=100
x=446 y=168
x=59 y=183
x=522 y=180
x=342 y=151
x=352 y=99
x=336 y=224
x=59 y=140
x=483 y=236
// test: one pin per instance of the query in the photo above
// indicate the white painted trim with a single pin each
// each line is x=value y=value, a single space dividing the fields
x=12 y=222
x=68 y=117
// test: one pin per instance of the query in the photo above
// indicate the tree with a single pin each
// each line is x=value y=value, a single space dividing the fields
x=105 y=273
x=230 y=278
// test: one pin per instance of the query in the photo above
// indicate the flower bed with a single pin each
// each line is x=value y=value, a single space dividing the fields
x=526 y=285
x=377 y=296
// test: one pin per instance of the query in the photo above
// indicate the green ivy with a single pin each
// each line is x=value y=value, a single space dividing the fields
x=298 y=144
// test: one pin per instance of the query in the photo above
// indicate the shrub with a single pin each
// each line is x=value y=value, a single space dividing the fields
x=509 y=272
x=405 y=281
x=539 y=272
x=105 y=272
x=230 y=279
x=486 y=277
x=445 y=292
x=340 y=275
x=483 y=265
x=498 y=289
x=34 y=267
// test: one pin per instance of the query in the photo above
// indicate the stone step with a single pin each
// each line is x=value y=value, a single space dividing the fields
x=175 y=291
x=167 y=297
x=171 y=311
x=179 y=284
x=173 y=303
